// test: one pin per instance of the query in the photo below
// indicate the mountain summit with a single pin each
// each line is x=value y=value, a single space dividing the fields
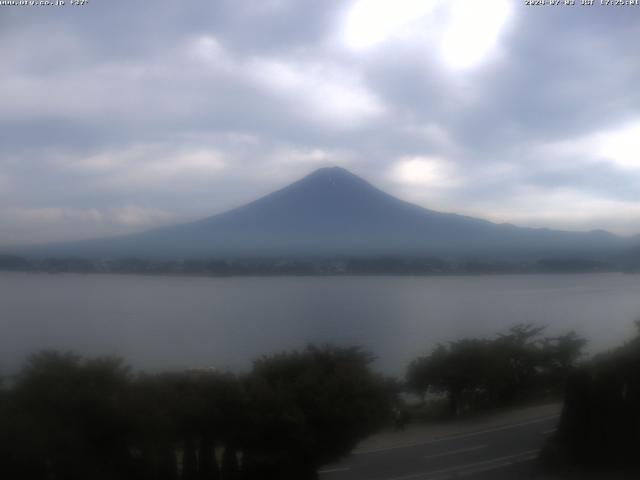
x=334 y=212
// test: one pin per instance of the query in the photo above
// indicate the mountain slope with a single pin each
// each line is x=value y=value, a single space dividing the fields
x=333 y=212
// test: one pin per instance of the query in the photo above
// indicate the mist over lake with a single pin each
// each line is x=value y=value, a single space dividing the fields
x=159 y=322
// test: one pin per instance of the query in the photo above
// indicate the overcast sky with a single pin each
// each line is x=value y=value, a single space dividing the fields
x=121 y=115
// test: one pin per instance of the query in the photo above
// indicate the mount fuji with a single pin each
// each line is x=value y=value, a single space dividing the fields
x=332 y=212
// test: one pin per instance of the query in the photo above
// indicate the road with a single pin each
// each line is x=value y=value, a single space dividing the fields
x=499 y=452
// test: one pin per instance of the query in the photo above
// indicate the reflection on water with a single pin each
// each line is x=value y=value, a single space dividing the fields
x=178 y=322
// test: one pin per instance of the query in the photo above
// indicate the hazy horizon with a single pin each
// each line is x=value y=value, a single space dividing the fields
x=187 y=220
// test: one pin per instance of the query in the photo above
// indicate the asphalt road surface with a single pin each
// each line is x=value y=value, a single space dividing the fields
x=502 y=452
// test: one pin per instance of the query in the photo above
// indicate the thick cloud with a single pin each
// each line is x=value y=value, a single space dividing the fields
x=117 y=116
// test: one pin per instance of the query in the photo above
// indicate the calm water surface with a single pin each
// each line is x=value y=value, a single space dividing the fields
x=177 y=322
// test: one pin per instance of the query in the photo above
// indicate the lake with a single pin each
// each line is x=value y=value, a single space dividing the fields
x=159 y=322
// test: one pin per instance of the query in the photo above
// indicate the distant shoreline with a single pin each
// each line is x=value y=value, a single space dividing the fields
x=348 y=267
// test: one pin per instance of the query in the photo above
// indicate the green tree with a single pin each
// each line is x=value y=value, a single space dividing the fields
x=458 y=370
x=70 y=419
x=310 y=408
x=475 y=373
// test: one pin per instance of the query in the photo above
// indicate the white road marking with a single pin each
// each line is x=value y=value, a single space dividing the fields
x=454 y=452
x=457 y=436
x=547 y=432
x=488 y=468
x=472 y=468
x=334 y=470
